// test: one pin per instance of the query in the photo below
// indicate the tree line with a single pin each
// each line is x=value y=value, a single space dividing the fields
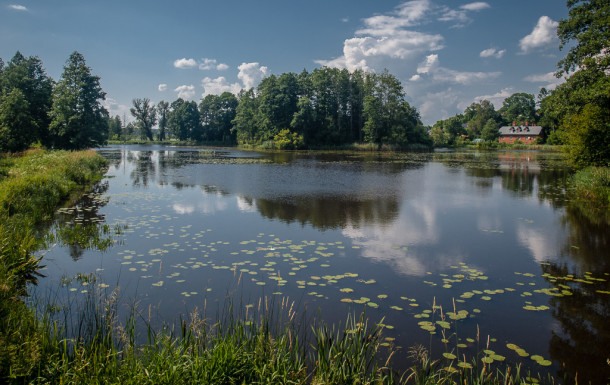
x=66 y=114
x=327 y=107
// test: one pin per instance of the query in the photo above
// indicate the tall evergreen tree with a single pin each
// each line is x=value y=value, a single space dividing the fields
x=28 y=76
x=78 y=119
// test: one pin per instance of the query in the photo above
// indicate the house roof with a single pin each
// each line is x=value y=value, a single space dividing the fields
x=520 y=130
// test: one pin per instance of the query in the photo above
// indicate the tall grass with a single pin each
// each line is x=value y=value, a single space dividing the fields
x=32 y=185
x=265 y=343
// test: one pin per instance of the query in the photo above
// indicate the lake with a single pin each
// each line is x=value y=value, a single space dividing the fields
x=480 y=249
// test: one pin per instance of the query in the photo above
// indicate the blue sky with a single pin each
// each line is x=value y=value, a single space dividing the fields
x=447 y=54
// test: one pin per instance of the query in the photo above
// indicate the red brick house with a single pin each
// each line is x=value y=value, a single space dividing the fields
x=523 y=133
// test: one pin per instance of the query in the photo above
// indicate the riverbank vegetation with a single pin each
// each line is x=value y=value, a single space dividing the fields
x=32 y=185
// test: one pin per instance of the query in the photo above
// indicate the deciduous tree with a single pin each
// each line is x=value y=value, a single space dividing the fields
x=146 y=116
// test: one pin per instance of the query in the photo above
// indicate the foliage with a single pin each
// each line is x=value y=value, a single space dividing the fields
x=587 y=24
x=78 y=119
x=217 y=113
x=520 y=107
x=31 y=187
x=28 y=76
x=17 y=128
x=184 y=121
x=329 y=107
x=580 y=106
x=592 y=184
x=491 y=131
x=476 y=116
x=115 y=128
x=163 y=113
x=286 y=140
x=589 y=136
x=146 y=116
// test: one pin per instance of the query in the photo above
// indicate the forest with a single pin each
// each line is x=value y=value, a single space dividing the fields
x=327 y=107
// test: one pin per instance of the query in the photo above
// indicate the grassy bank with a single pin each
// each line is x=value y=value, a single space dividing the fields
x=267 y=343
x=589 y=192
x=32 y=186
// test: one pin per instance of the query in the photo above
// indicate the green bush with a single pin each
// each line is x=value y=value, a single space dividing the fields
x=287 y=140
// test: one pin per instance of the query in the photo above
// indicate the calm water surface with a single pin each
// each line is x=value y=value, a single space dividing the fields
x=488 y=234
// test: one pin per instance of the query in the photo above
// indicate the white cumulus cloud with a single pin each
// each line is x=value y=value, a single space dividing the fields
x=185 y=91
x=434 y=104
x=496 y=99
x=17 y=7
x=407 y=14
x=476 y=6
x=162 y=87
x=185 y=63
x=461 y=15
x=115 y=108
x=548 y=80
x=431 y=70
x=207 y=64
x=251 y=74
x=218 y=86
x=544 y=34
x=493 y=52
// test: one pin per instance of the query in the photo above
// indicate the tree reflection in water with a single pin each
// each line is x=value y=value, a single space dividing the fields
x=582 y=345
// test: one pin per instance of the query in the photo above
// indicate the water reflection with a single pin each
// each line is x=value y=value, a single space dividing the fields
x=78 y=226
x=330 y=212
x=400 y=219
x=584 y=316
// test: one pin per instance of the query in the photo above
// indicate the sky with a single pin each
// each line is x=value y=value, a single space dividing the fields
x=447 y=54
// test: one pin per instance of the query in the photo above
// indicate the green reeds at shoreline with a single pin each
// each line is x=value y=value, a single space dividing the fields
x=32 y=185
x=268 y=342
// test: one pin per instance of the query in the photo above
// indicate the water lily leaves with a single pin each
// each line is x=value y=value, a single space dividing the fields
x=427 y=325
x=535 y=308
x=464 y=365
x=396 y=308
x=373 y=305
x=487 y=360
x=449 y=356
x=346 y=290
x=444 y=324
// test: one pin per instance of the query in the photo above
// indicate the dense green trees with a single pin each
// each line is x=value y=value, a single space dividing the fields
x=184 y=122
x=63 y=115
x=519 y=108
x=580 y=107
x=328 y=107
x=17 y=126
x=78 y=120
x=217 y=114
